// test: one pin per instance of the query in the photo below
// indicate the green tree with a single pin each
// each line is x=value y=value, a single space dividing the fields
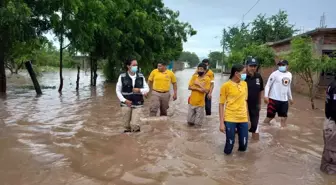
x=236 y=38
x=94 y=36
x=62 y=15
x=307 y=65
x=214 y=57
x=20 y=22
x=262 y=53
x=261 y=30
x=189 y=57
x=147 y=30
x=22 y=52
x=235 y=57
x=269 y=29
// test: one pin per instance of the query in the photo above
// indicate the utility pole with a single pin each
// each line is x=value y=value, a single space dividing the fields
x=223 y=46
x=322 y=21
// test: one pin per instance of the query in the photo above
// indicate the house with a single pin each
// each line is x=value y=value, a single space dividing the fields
x=83 y=61
x=324 y=42
x=186 y=65
x=219 y=65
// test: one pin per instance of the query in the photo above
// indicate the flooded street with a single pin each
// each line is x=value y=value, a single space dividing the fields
x=77 y=139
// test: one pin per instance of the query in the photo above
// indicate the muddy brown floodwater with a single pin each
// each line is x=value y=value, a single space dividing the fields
x=77 y=139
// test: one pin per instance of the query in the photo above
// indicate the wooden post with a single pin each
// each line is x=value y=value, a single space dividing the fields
x=95 y=66
x=32 y=74
x=77 y=81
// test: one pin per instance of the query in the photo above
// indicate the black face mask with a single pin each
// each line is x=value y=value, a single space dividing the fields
x=200 y=73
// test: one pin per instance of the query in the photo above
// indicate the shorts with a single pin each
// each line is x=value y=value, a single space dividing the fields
x=275 y=106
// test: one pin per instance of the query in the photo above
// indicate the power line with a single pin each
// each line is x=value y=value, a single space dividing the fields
x=247 y=12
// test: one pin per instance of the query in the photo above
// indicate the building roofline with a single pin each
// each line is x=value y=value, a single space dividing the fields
x=310 y=33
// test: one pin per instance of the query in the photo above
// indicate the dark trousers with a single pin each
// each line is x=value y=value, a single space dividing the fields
x=254 y=116
x=230 y=129
x=207 y=105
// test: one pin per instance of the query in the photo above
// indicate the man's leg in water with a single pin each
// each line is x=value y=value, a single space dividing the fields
x=154 y=104
x=254 y=119
x=282 y=113
x=164 y=103
x=271 y=110
x=191 y=115
x=126 y=118
x=207 y=105
x=135 y=121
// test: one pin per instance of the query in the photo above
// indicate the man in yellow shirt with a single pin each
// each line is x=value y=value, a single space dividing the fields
x=160 y=80
x=208 y=96
x=199 y=86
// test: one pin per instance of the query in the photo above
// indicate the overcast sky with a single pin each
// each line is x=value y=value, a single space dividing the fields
x=209 y=17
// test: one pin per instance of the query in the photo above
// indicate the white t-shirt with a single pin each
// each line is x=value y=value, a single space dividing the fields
x=278 y=86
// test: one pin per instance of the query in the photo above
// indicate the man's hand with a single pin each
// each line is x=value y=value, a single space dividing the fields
x=128 y=103
x=222 y=128
x=291 y=102
x=209 y=96
x=197 y=83
x=175 y=96
x=266 y=100
x=136 y=90
x=145 y=95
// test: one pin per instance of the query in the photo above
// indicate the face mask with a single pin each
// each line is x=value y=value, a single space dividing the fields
x=134 y=69
x=243 y=76
x=200 y=73
x=282 y=68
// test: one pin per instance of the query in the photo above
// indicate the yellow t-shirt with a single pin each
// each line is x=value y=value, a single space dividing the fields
x=210 y=74
x=162 y=80
x=198 y=98
x=234 y=96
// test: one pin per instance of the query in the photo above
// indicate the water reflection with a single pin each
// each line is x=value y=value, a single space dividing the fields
x=77 y=138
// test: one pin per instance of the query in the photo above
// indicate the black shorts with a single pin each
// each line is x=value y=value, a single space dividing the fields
x=275 y=106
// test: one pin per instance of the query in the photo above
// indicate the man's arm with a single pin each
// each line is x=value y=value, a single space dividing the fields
x=145 y=89
x=119 y=89
x=261 y=93
x=222 y=101
x=289 y=93
x=192 y=86
x=150 y=80
x=269 y=84
x=212 y=79
x=173 y=80
x=175 y=87
x=333 y=102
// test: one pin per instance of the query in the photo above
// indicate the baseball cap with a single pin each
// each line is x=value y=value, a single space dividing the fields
x=283 y=62
x=251 y=62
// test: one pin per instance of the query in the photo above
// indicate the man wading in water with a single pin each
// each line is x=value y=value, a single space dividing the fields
x=328 y=163
x=255 y=93
x=199 y=85
x=130 y=89
x=208 y=96
x=278 y=92
x=160 y=80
